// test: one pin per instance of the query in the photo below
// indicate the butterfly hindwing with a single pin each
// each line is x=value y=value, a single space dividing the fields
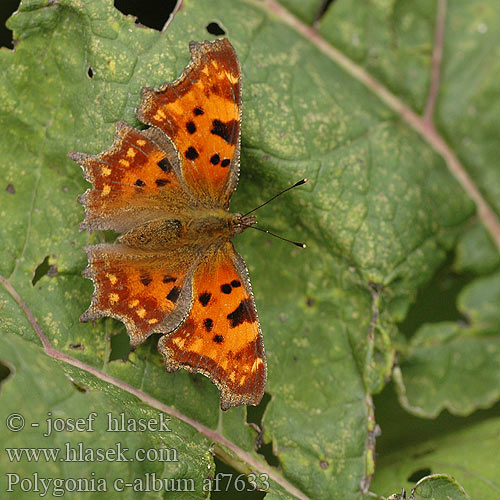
x=221 y=337
x=200 y=112
x=148 y=292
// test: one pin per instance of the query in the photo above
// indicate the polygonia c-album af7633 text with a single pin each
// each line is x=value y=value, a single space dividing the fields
x=166 y=189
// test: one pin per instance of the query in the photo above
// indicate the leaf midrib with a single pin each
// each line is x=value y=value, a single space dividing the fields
x=423 y=125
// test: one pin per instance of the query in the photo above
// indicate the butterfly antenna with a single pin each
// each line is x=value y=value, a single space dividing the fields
x=302 y=181
x=301 y=245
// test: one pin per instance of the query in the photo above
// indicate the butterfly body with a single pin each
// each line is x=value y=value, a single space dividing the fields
x=166 y=190
x=201 y=228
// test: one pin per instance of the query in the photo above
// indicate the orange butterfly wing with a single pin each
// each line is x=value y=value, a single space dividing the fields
x=149 y=292
x=134 y=180
x=200 y=112
x=221 y=337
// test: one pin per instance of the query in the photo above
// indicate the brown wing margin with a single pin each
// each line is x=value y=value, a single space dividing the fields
x=221 y=337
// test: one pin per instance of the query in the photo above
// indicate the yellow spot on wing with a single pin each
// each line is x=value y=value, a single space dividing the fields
x=256 y=364
x=113 y=298
x=152 y=321
x=232 y=78
x=160 y=115
x=179 y=342
x=112 y=278
x=131 y=152
x=141 y=142
x=106 y=189
x=106 y=171
x=205 y=70
x=141 y=312
x=133 y=303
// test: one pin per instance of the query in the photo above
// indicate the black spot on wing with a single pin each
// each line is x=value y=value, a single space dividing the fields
x=226 y=288
x=173 y=295
x=208 y=324
x=235 y=283
x=169 y=279
x=225 y=130
x=162 y=182
x=198 y=111
x=165 y=165
x=140 y=183
x=244 y=312
x=225 y=162
x=215 y=159
x=146 y=281
x=191 y=127
x=218 y=338
x=204 y=298
x=191 y=153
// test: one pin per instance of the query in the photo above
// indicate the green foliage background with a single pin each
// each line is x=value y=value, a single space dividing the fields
x=397 y=294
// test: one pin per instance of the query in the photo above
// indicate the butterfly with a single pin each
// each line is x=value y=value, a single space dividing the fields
x=166 y=191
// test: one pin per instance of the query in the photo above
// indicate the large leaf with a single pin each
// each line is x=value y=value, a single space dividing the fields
x=468 y=453
x=380 y=213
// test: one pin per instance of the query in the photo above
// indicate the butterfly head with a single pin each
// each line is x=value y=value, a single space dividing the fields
x=238 y=223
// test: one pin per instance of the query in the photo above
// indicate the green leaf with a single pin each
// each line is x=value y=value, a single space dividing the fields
x=439 y=487
x=445 y=361
x=468 y=454
x=467 y=108
x=476 y=252
x=79 y=424
x=392 y=40
x=380 y=213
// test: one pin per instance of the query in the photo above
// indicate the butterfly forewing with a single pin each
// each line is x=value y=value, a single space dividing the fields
x=221 y=338
x=200 y=112
x=133 y=181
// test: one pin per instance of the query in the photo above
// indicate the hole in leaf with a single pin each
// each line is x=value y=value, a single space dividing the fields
x=10 y=189
x=77 y=347
x=150 y=13
x=437 y=301
x=322 y=9
x=90 y=72
x=120 y=347
x=7 y=8
x=44 y=268
x=5 y=371
x=266 y=450
x=256 y=413
x=418 y=475
x=229 y=483
x=215 y=28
